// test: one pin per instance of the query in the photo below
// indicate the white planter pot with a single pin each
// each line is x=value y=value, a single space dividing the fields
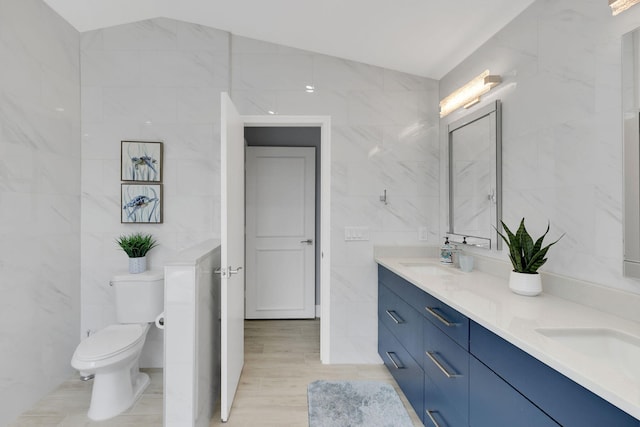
x=525 y=284
x=137 y=265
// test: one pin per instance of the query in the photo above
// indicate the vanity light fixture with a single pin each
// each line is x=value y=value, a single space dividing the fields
x=469 y=94
x=310 y=89
x=619 y=6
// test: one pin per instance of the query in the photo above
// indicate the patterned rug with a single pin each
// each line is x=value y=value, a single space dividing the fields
x=355 y=403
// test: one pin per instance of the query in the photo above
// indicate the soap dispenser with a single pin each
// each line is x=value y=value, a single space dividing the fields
x=446 y=252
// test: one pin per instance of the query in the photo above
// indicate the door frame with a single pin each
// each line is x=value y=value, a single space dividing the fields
x=324 y=123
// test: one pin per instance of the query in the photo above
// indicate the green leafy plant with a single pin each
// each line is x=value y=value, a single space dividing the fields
x=137 y=245
x=526 y=256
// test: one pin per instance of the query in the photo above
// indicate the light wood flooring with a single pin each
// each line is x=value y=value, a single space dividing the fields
x=281 y=358
x=67 y=406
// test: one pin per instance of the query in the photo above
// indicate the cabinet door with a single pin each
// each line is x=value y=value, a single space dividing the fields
x=406 y=371
x=446 y=379
x=566 y=401
x=402 y=320
x=493 y=402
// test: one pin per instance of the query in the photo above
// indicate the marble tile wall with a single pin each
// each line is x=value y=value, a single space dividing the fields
x=384 y=136
x=562 y=130
x=155 y=80
x=39 y=202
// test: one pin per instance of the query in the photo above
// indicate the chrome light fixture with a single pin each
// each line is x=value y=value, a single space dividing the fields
x=469 y=94
x=619 y=6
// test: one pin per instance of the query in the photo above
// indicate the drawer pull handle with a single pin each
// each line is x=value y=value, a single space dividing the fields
x=395 y=317
x=432 y=418
x=432 y=355
x=396 y=364
x=440 y=317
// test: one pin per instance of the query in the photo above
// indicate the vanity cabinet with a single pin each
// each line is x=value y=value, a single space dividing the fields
x=562 y=399
x=446 y=379
x=455 y=372
x=493 y=402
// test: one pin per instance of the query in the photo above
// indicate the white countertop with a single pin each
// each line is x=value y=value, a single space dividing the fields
x=487 y=300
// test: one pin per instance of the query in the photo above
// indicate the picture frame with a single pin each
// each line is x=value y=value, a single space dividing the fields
x=141 y=203
x=141 y=161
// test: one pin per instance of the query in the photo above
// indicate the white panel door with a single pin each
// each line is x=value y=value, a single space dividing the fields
x=232 y=253
x=280 y=233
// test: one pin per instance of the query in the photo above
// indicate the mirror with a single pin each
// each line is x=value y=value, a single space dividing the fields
x=631 y=129
x=475 y=178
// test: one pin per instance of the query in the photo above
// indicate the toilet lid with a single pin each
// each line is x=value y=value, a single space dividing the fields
x=110 y=341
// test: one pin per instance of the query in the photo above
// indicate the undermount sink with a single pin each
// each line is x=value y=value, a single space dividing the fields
x=427 y=268
x=618 y=350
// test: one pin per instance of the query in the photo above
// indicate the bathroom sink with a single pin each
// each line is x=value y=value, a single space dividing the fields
x=428 y=269
x=618 y=350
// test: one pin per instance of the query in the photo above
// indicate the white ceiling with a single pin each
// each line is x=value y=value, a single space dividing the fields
x=422 y=37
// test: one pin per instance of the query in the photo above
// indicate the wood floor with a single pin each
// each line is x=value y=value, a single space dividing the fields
x=281 y=358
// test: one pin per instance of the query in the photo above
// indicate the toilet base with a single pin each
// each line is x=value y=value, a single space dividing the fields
x=115 y=392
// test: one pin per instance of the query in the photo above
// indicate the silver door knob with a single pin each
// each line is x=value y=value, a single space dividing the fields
x=308 y=241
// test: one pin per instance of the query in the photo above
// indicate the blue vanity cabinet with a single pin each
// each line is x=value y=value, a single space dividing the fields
x=406 y=371
x=402 y=320
x=567 y=402
x=494 y=403
x=400 y=335
x=447 y=319
x=446 y=380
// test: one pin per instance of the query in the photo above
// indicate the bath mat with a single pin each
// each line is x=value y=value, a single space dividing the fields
x=354 y=404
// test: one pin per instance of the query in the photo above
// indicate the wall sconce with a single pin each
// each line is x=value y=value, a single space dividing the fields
x=619 y=6
x=469 y=94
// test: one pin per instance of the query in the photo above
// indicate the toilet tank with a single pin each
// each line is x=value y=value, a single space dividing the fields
x=139 y=297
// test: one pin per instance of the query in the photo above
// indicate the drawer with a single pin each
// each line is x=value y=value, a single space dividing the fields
x=446 y=368
x=402 y=320
x=563 y=399
x=407 y=291
x=406 y=371
x=447 y=319
x=493 y=402
x=439 y=411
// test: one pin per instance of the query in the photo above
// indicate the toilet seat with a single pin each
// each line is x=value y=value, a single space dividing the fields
x=110 y=341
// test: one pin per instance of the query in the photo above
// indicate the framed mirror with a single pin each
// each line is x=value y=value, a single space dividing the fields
x=475 y=178
x=631 y=144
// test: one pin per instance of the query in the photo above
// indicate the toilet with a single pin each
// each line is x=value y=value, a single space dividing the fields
x=110 y=356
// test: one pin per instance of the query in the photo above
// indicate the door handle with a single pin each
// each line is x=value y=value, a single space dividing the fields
x=227 y=272
x=236 y=271
x=308 y=241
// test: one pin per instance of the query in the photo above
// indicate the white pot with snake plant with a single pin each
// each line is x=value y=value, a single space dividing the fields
x=526 y=257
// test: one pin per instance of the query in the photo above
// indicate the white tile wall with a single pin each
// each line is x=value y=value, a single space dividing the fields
x=168 y=73
x=39 y=202
x=384 y=136
x=562 y=140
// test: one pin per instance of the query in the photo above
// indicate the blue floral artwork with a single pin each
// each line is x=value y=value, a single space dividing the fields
x=141 y=203
x=141 y=161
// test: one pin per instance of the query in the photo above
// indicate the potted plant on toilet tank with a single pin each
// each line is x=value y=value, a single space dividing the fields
x=136 y=246
x=526 y=257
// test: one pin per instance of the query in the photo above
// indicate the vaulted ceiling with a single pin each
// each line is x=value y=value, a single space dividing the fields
x=422 y=37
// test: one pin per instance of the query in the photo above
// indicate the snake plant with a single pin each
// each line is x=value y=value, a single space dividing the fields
x=526 y=256
x=136 y=245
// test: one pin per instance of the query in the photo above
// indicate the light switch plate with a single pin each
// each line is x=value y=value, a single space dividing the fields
x=422 y=233
x=356 y=234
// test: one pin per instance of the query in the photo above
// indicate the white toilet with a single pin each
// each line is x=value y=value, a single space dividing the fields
x=111 y=355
